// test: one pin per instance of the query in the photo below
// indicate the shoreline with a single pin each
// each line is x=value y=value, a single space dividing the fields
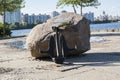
x=110 y=30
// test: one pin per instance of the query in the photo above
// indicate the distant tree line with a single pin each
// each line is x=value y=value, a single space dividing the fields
x=17 y=26
x=104 y=21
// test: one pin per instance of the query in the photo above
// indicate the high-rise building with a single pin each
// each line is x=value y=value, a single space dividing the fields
x=63 y=11
x=89 y=16
x=25 y=18
x=12 y=17
x=44 y=17
x=33 y=19
x=54 y=13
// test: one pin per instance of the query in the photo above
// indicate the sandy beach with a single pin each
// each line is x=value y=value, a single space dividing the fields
x=102 y=62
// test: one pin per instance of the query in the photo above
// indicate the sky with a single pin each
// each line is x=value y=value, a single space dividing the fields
x=111 y=7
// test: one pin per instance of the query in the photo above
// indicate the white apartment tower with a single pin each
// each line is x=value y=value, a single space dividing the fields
x=54 y=13
x=89 y=16
x=33 y=19
x=12 y=17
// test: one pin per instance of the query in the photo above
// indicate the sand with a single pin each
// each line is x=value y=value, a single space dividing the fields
x=102 y=62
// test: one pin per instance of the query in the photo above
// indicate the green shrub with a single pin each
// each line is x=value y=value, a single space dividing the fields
x=1 y=24
x=64 y=24
x=7 y=32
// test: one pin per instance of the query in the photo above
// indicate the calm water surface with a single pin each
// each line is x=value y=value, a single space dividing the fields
x=105 y=26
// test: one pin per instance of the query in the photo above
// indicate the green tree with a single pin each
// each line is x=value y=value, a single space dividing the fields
x=67 y=2
x=78 y=3
x=9 y=5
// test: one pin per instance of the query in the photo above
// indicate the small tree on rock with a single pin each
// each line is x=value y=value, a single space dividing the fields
x=77 y=3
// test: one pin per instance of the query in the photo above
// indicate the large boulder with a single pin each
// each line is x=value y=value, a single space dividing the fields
x=76 y=32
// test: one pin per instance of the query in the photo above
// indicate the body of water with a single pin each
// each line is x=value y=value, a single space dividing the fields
x=21 y=32
x=105 y=26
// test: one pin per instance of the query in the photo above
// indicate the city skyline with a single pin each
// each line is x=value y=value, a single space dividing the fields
x=46 y=6
x=17 y=16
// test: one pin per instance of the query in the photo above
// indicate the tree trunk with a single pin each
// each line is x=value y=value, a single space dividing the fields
x=81 y=8
x=4 y=24
x=74 y=9
x=4 y=17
